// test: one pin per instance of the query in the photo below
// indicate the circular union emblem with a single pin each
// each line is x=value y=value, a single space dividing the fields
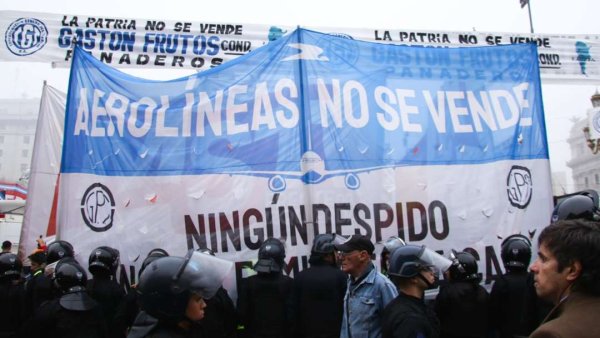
x=519 y=186
x=26 y=36
x=98 y=207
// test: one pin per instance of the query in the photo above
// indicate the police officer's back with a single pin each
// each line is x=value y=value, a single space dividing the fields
x=462 y=305
x=510 y=291
x=11 y=295
x=319 y=291
x=74 y=313
x=264 y=300
x=102 y=264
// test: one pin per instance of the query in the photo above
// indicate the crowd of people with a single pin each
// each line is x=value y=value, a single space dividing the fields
x=341 y=294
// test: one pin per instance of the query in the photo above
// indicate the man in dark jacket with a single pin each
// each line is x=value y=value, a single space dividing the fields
x=319 y=291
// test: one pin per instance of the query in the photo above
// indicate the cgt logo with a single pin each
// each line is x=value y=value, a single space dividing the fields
x=98 y=207
x=26 y=36
x=519 y=187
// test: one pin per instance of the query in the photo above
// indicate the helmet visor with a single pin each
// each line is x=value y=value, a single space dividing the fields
x=203 y=274
x=435 y=260
x=392 y=243
x=338 y=240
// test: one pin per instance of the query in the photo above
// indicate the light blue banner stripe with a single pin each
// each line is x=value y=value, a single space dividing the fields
x=309 y=104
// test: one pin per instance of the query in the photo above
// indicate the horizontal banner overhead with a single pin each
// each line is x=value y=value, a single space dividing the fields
x=171 y=44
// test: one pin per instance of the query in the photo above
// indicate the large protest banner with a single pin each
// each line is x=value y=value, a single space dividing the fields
x=183 y=44
x=312 y=133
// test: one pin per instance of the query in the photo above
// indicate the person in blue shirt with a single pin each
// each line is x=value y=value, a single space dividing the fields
x=368 y=291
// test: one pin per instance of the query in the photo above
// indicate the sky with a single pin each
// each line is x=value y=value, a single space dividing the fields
x=561 y=102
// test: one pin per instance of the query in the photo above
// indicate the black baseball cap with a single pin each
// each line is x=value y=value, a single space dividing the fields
x=38 y=256
x=356 y=242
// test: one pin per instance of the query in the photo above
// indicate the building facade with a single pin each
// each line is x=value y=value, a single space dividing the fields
x=584 y=164
x=18 y=121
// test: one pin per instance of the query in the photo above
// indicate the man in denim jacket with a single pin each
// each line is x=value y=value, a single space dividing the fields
x=368 y=291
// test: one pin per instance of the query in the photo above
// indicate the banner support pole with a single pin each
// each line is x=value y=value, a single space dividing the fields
x=530 y=19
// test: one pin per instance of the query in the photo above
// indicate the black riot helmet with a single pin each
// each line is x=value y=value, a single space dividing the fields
x=10 y=266
x=584 y=205
x=69 y=276
x=153 y=255
x=325 y=243
x=58 y=250
x=103 y=260
x=464 y=267
x=409 y=260
x=516 y=252
x=167 y=283
x=270 y=256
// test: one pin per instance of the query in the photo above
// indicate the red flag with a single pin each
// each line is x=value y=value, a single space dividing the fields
x=524 y=3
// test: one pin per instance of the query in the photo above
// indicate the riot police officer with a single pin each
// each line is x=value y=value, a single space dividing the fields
x=412 y=270
x=74 y=313
x=515 y=307
x=129 y=308
x=319 y=291
x=172 y=291
x=264 y=300
x=462 y=305
x=11 y=295
x=102 y=264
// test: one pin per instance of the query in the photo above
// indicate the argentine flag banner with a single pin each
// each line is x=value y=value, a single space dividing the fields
x=309 y=134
